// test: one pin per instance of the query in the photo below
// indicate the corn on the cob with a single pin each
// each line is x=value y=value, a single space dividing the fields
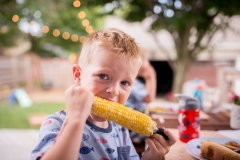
x=124 y=116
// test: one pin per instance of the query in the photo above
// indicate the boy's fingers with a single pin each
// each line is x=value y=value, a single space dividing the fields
x=156 y=143
x=172 y=138
x=157 y=147
x=152 y=146
x=160 y=139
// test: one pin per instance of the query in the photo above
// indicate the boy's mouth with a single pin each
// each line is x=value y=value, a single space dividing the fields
x=111 y=100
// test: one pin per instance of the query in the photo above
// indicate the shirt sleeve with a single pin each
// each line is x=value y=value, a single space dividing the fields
x=48 y=132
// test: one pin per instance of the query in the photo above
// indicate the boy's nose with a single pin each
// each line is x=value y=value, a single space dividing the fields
x=113 y=90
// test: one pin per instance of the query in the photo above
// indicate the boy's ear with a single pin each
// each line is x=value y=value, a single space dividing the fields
x=76 y=71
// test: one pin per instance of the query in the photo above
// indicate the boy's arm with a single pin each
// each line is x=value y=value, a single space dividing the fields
x=68 y=141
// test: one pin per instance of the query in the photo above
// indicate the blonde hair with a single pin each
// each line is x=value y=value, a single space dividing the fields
x=111 y=39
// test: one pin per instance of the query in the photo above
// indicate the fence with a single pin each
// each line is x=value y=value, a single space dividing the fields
x=15 y=71
x=57 y=71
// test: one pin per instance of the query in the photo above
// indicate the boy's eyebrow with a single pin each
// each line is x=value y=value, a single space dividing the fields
x=103 y=69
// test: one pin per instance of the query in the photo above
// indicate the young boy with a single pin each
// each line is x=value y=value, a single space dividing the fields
x=108 y=65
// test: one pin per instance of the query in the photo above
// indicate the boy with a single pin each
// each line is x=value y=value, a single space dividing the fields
x=108 y=65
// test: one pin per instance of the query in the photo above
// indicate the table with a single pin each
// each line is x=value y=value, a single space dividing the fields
x=208 y=121
x=178 y=150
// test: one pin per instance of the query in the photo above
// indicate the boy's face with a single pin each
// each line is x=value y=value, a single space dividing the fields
x=109 y=77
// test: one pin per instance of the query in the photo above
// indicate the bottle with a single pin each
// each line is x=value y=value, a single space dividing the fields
x=188 y=118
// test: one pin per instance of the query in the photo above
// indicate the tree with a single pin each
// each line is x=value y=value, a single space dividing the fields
x=55 y=14
x=8 y=30
x=197 y=20
x=190 y=22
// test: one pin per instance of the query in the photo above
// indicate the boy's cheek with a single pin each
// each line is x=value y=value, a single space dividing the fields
x=124 y=98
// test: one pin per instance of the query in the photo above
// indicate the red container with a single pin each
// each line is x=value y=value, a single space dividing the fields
x=189 y=124
x=188 y=118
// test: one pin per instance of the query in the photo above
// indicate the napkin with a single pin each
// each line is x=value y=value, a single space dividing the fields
x=233 y=134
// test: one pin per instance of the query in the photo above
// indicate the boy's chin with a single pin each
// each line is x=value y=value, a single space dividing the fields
x=96 y=118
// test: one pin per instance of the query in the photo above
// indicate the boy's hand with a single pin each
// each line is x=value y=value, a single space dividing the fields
x=79 y=102
x=158 y=146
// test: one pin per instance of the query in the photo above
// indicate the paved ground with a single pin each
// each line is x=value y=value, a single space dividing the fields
x=17 y=144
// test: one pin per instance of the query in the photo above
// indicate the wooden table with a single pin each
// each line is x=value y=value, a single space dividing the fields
x=208 y=121
x=178 y=150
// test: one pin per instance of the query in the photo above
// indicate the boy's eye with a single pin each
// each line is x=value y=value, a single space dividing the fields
x=125 y=83
x=103 y=76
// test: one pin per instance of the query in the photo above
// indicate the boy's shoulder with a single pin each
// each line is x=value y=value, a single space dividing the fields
x=60 y=114
x=55 y=117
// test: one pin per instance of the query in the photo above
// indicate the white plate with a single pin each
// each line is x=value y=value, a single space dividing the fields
x=193 y=146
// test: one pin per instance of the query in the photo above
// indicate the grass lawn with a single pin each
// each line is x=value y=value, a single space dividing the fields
x=17 y=117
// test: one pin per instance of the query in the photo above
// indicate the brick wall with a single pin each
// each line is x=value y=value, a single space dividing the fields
x=203 y=70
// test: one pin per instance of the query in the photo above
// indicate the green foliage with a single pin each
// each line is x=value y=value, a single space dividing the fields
x=16 y=117
x=178 y=17
x=183 y=19
x=8 y=30
x=63 y=15
x=235 y=99
x=56 y=14
x=237 y=102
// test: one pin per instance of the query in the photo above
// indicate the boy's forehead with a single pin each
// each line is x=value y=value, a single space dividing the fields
x=103 y=53
x=118 y=54
x=107 y=58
